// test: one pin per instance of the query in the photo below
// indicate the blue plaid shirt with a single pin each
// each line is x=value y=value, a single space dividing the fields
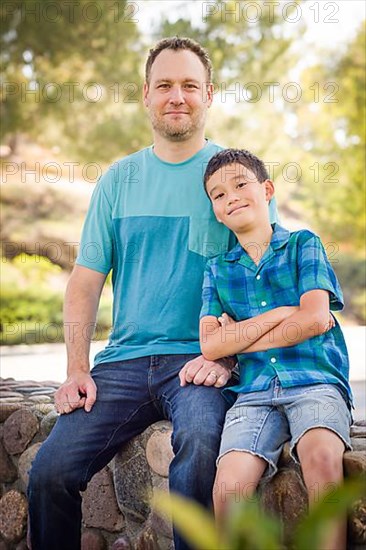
x=294 y=263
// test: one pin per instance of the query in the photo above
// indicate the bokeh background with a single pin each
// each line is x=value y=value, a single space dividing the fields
x=290 y=86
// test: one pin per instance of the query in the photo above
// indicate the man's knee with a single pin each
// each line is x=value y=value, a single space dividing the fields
x=50 y=471
x=197 y=439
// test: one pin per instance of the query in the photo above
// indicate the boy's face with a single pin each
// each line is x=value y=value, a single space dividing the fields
x=239 y=200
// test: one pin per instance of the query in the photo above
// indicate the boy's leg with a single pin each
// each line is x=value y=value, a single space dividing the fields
x=252 y=441
x=237 y=477
x=80 y=445
x=321 y=457
x=319 y=421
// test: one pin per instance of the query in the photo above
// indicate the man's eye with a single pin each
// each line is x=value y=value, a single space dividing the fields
x=192 y=86
x=163 y=86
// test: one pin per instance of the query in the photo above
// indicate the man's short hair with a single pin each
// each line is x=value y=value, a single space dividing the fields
x=176 y=43
x=238 y=156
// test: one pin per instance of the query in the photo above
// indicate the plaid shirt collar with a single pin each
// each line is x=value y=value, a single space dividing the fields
x=280 y=237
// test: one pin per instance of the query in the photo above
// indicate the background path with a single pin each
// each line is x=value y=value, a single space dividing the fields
x=48 y=362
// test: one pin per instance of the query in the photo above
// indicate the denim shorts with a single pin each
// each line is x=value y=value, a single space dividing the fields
x=261 y=422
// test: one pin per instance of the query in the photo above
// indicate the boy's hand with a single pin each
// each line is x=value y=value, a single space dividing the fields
x=331 y=323
x=209 y=373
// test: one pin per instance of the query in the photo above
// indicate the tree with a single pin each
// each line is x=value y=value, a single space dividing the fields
x=72 y=75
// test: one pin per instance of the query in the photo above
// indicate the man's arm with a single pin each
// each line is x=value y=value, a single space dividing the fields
x=80 y=311
x=219 y=341
x=311 y=319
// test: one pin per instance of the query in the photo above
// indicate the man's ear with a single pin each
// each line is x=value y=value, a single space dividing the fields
x=269 y=187
x=145 y=91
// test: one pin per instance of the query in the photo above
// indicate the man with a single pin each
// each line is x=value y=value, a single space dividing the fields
x=149 y=221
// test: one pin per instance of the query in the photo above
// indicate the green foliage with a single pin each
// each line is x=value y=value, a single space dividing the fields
x=351 y=272
x=331 y=134
x=79 y=65
x=249 y=528
x=30 y=316
x=31 y=306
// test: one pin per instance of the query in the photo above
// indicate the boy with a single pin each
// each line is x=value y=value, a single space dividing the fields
x=268 y=301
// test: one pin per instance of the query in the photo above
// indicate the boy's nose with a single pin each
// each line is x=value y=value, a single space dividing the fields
x=232 y=198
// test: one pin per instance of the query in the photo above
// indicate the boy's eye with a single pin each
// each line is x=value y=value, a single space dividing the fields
x=219 y=196
x=241 y=184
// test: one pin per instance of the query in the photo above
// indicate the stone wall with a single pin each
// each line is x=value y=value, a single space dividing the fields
x=116 y=510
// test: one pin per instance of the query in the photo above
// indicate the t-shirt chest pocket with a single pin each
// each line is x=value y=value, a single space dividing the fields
x=207 y=237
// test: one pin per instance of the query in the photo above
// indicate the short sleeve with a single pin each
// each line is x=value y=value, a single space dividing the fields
x=211 y=304
x=96 y=245
x=315 y=271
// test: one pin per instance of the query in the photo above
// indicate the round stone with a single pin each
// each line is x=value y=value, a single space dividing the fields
x=19 y=430
x=354 y=463
x=39 y=398
x=13 y=516
x=11 y=399
x=159 y=452
x=358 y=431
x=6 y=409
x=100 y=509
x=8 y=471
x=6 y=394
x=25 y=462
x=93 y=540
x=122 y=543
x=48 y=422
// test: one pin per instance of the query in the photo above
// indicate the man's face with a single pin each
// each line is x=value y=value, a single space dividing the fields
x=177 y=96
x=239 y=200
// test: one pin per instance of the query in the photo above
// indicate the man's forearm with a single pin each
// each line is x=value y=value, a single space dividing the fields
x=80 y=311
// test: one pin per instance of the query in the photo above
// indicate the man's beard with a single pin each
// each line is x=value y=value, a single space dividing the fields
x=180 y=131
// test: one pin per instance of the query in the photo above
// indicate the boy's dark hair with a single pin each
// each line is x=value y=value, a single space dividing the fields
x=176 y=43
x=239 y=156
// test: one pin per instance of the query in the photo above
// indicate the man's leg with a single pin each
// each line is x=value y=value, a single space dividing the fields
x=80 y=445
x=197 y=414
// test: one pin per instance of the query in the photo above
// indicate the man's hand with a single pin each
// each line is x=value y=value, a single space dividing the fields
x=78 y=391
x=209 y=373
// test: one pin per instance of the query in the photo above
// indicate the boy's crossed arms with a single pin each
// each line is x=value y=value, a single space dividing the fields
x=222 y=336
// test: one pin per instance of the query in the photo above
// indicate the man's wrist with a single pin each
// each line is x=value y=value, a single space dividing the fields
x=78 y=369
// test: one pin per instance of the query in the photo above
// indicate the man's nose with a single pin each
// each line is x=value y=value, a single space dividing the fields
x=176 y=95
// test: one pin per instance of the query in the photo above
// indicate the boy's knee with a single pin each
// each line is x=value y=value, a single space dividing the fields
x=323 y=460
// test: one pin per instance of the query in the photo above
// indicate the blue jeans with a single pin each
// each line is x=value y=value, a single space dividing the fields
x=131 y=395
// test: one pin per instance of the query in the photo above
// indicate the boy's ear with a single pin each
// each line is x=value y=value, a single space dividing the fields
x=269 y=187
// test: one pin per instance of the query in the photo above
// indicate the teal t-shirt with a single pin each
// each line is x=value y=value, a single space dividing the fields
x=151 y=222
